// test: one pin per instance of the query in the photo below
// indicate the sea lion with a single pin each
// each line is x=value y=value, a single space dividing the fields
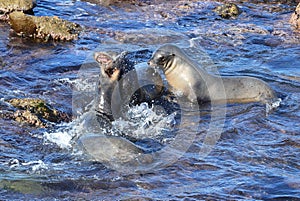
x=196 y=84
x=120 y=84
x=109 y=148
x=117 y=83
x=115 y=89
x=151 y=83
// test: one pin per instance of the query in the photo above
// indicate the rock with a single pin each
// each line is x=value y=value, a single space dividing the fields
x=7 y=6
x=295 y=19
x=27 y=117
x=119 y=3
x=36 y=112
x=45 y=28
x=228 y=10
x=22 y=24
x=32 y=187
x=149 y=36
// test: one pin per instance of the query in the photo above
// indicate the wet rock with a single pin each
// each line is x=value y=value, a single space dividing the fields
x=36 y=112
x=44 y=28
x=295 y=19
x=7 y=6
x=23 y=186
x=149 y=36
x=27 y=117
x=228 y=10
x=119 y=3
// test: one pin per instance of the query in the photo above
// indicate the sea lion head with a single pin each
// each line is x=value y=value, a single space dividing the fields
x=162 y=58
x=113 y=66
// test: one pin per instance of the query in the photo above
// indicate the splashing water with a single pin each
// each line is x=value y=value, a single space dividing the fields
x=146 y=122
x=33 y=167
x=143 y=123
x=273 y=105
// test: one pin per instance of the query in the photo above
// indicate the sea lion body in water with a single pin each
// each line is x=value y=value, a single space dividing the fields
x=114 y=87
x=198 y=85
x=117 y=88
x=117 y=80
x=110 y=148
x=120 y=86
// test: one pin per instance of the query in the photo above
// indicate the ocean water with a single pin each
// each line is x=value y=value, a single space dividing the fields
x=228 y=152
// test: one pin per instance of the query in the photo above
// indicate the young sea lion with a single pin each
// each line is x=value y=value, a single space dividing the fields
x=120 y=84
x=117 y=84
x=198 y=85
x=119 y=87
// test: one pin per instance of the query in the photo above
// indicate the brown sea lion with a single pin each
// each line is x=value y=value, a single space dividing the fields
x=193 y=82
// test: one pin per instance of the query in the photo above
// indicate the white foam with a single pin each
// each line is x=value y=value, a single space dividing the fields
x=273 y=105
x=61 y=138
x=83 y=84
x=36 y=166
x=65 y=134
x=33 y=167
x=144 y=122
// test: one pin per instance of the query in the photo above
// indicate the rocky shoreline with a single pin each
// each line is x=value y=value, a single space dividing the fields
x=53 y=28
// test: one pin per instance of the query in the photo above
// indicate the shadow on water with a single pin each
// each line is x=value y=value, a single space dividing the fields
x=256 y=156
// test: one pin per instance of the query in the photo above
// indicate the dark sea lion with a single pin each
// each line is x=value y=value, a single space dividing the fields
x=121 y=85
x=151 y=83
x=196 y=84
x=117 y=83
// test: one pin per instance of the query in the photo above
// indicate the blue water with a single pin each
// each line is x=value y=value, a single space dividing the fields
x=255 y=157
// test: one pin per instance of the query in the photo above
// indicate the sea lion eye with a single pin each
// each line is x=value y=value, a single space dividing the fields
x=166 y=58
x=161 y=59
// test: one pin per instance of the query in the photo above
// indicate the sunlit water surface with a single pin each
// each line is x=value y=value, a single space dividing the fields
x=255 y=156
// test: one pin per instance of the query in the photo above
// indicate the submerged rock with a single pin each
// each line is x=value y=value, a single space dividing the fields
x=228 y=10
x=295 y=19
x=36 y=112
x=45 y=28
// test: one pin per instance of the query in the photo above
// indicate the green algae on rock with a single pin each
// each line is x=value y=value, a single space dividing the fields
x=295 y=19
x=36 y=112
x=45 y=27
x=227 y=10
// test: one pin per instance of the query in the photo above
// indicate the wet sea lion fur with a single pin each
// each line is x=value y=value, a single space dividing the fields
x=184 y=76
